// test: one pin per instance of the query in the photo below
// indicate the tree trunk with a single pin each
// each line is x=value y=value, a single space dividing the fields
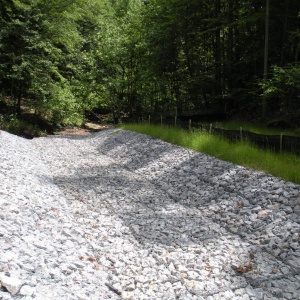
x=283 y=49
x=264 y=104
x=218 y=49
x=19 y=99
x=230 y=55
x=19 y=104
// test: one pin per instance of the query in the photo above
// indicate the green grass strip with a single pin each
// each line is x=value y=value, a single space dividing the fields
x=286 y=166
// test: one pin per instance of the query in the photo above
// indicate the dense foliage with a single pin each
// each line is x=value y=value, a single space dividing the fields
x=64 y=58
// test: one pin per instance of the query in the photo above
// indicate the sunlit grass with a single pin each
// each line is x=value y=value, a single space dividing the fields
x=286 y=166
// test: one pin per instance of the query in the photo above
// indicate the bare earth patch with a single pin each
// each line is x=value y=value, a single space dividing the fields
x=87 y=129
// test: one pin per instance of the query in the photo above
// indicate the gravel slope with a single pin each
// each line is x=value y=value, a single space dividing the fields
x=119 y=215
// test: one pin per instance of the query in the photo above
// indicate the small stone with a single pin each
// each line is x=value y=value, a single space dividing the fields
x=288 y=210
x=182 y=269
x=294 y=246
x=277 y=293
x=285 y=270
x=294 y=261
x=130 y=287
x=82 y=296
x=27 y=290
x=5 y=296
x=276 y=252
x=279 y=191
x=259 y=294
x=262 y=214
x=141 y=279
x=127 y=295
x=288 y=296
x=12 y=284
x=295 y=237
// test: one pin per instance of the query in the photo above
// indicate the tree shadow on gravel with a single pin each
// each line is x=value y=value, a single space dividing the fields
x=174 y=228
x=196 y=209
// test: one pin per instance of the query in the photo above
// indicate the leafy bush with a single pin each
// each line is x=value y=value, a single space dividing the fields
x=61 y=107
x=283 y=89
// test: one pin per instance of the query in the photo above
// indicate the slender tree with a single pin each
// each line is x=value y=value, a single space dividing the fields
x=266 y=53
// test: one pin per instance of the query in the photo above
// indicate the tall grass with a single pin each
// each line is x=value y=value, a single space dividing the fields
x=286 y=166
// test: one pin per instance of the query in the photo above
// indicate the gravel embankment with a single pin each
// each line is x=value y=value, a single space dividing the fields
x=119 y=215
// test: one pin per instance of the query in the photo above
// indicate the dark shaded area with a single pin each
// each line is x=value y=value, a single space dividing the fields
x=38 y=121
x=213 y=117
x=279 y=123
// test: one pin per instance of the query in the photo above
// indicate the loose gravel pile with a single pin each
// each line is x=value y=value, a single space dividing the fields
x=119 y=215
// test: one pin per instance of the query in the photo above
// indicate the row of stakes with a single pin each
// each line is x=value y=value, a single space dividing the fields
x=211 y=127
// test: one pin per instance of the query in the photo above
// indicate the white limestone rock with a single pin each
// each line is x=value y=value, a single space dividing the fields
x=12 y=284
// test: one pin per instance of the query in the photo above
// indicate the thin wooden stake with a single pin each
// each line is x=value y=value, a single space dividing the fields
x=190 y=124
x=149 y=119
x=210 y=128
x=175 y=120
x=281 y=139
x=241 y=134
x=161 y=120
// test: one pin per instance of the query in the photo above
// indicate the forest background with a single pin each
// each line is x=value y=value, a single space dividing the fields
x=66 y=59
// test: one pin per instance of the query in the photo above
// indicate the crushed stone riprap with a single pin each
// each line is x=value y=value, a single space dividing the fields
x=120 y=215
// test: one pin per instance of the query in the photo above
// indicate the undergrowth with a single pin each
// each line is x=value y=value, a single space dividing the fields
x=19 y=127
x=284 y=165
